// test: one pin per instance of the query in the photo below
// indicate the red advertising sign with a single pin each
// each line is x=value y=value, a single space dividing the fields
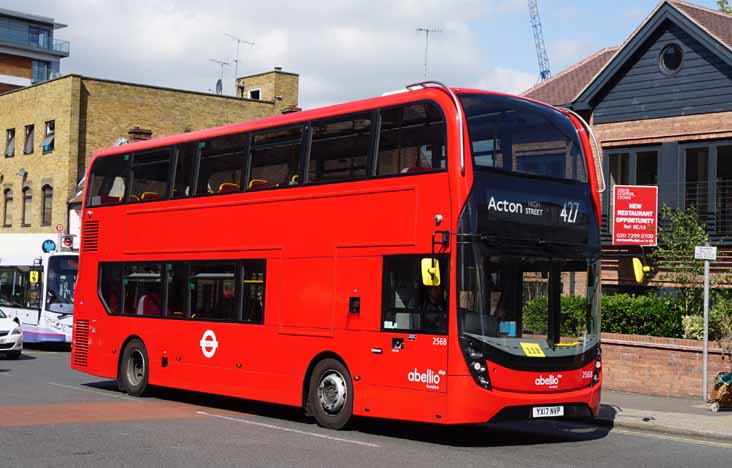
x=635 y=215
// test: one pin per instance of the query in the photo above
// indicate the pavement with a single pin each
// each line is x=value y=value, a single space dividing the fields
x=682 y=416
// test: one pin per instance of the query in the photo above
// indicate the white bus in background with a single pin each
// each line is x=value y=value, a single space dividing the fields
x=38 y=289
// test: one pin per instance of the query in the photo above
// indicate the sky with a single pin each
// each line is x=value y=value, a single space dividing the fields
x=343 y=50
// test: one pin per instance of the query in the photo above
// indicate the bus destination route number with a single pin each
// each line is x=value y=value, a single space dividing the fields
x=532 y=350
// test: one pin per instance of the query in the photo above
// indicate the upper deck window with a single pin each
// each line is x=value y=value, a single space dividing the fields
x=221 y=169
x=522 y=137
x=276 y=158
x=340 y=148
x=108 y=180
x=412 y=139
x=150 y=173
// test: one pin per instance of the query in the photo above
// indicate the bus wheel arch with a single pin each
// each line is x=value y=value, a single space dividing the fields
x=328 y=391
x=133 y=367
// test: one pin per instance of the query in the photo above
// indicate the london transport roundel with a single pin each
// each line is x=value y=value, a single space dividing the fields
x=209 y=344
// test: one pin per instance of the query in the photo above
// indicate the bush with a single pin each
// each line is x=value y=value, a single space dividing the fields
x=693 y=327
x=573 y=315
x=621 y=313
x=641 y=315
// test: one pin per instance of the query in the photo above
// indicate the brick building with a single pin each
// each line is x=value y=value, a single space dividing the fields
x=56 y=126
x=29 y=52
x=660 y=105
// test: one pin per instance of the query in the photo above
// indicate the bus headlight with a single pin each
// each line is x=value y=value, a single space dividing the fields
x=54 y=323
x=16 y=331
x=598 y=366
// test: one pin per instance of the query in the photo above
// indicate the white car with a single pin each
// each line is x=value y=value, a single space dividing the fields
x=11 y=337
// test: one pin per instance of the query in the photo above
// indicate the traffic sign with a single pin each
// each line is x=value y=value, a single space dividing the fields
x=705 y=252
x=67 y=241
x=48 y=246
x=59 y=228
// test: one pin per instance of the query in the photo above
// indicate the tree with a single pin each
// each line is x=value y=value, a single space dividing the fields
x=724 y=6
x=673 y=260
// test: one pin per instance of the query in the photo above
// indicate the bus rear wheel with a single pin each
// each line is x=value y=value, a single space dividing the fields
x=330 y=394
x=134 y=369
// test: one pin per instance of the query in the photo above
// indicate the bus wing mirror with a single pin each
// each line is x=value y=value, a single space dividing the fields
x=430 y=272
x=639 y=270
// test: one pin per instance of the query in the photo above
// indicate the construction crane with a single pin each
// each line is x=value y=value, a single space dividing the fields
x=541 y=55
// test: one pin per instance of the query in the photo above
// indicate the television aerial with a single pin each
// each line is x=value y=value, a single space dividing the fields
x=238 y=43
x=219 y=83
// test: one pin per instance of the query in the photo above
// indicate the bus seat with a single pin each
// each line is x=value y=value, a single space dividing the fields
x=255 y=184
x=413 y=169
x=294 y=179
x=134 y=197
x=227 y=187
x=149 y=196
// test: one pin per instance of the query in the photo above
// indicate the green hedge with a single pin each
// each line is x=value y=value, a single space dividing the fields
x=621 y=313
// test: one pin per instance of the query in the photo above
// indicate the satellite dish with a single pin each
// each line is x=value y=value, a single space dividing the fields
x=219 y=86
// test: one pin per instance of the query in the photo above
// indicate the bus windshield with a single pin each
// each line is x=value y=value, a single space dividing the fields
x=62 y=270
x=522 y=137
x=508 y=301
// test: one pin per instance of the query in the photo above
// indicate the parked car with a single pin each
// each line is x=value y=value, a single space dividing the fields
x=11 y=336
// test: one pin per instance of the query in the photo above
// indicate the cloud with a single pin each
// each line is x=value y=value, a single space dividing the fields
x=564 y=52
x=343 y=50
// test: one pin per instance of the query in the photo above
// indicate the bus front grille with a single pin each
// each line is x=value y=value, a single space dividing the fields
x=90 y=236
x=81 y=343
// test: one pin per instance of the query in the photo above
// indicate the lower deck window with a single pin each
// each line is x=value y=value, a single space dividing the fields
x=229 y=291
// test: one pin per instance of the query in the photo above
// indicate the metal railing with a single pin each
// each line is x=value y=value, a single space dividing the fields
x=25 y=38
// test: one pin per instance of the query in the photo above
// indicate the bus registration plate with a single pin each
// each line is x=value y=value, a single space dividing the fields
x=548 y=411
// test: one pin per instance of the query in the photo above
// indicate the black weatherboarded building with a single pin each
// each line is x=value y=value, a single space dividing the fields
x=661 y=107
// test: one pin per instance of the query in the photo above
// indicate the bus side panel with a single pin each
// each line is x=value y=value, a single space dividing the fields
x=306 y=295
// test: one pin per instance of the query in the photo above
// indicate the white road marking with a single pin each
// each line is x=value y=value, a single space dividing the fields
x=285 y=429
x=673 y=438
x=109 y=394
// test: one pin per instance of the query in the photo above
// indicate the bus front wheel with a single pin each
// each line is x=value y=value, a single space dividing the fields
x=330 y=394
x=134 y=369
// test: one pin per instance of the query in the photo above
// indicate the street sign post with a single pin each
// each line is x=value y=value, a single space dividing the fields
x=635 y=215
x=706 y=253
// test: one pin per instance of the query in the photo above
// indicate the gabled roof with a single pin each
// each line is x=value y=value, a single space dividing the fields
x=579 y=83
x=715 y=22
x=563 y=88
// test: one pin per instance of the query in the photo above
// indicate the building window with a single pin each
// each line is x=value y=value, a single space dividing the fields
x=8 y=208
x=46 y=205
x=255 y=94
x=48 y=140
x=10 y=143
x=27 y=207
x=40 y=71
x=671 y=58
x=29 y=135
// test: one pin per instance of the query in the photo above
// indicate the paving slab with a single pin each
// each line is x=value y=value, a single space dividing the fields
x=669 y=415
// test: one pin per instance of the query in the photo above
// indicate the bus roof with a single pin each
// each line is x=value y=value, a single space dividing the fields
x=391 y=98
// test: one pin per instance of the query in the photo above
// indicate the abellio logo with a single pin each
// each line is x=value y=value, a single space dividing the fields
x=550 y=381
x=430 y=378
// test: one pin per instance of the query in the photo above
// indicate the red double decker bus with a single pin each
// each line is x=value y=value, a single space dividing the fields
x=398 y=257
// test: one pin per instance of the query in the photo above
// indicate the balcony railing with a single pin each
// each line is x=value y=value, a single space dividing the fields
x=25 y=38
